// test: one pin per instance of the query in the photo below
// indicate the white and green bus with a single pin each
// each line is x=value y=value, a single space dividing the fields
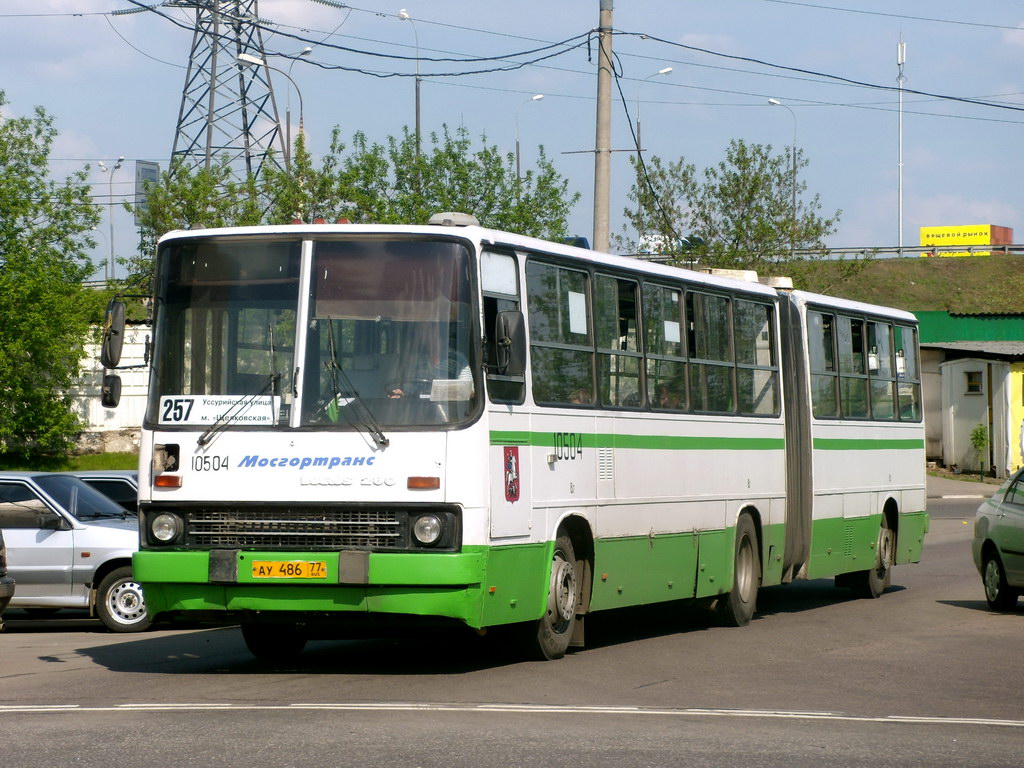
x=351 y=424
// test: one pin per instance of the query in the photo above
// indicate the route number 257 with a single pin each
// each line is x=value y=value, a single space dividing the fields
x=176 y=409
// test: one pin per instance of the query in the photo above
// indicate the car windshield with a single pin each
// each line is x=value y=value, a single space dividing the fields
x=78 y=498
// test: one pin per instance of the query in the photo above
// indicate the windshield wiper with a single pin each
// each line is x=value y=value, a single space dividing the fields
x=368 y=423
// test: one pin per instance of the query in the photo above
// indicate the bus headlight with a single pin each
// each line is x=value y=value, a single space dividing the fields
x=165 y=527
x=427 y=529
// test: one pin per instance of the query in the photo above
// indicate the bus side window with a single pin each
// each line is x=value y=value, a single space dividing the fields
x=824 y=376
x=757 y=374
x=499 y=280
x=663 y=343
x=618 y=343
x=908 y=384
x=853 y=380
x=711 y=353
x=881 y=368
x=561 y=347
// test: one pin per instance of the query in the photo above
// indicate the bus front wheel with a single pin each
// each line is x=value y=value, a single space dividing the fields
x=737 y=608
x=554 y=628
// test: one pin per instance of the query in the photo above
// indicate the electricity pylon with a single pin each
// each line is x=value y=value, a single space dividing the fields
x=227 y=105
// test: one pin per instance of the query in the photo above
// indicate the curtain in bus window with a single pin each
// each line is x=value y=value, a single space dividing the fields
x=390 y=333
x=618 y=358
x=880 y=367
x=561 y=349
x=756 y=371
x=666 y=366
x=711 y=383
x=853 y=382
x=821 y=350
x=908 y=384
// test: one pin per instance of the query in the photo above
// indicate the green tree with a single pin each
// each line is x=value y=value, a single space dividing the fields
x=737 y=214
x=388 y=183
x=45 y=228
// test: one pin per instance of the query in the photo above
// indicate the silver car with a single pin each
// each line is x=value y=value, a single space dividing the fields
x=998 y=545
x=122 y=485
x=70 y=546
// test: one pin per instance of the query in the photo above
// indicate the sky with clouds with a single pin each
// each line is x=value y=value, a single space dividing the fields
x=114 y=82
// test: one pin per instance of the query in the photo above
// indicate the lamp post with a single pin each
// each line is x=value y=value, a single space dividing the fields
x=639 y=149
x=288 y=105
x=247 y=58
x=108 y=272
x=536 y=97
x=404 y=16
x=664 y=71
x=792 y=226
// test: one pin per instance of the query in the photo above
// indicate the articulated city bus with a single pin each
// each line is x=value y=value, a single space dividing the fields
x=352 y=423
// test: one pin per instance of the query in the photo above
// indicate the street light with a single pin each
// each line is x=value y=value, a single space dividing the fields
x=792 y=228
x=639 y=148
x=247 y=58
x=536 y=97
x=108 y=272
x=404 y=16
x=288 y=103
x=664 y=71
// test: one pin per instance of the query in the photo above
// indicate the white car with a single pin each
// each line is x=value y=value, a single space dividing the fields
x=998 y=545
x=70 y=546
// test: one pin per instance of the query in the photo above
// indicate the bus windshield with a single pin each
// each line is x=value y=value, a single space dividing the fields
x=388 y=341
x=390 y=334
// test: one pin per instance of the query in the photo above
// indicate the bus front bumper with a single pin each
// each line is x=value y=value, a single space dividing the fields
x=207 y=584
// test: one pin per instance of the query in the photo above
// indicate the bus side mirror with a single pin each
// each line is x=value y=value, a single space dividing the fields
x=510 y=343
x=113 y=334
x=110 y=392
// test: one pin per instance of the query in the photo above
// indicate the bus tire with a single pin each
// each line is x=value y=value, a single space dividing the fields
x=736 y=609
x=120 y=604
x=999 y=595
x=870 y=584
x=554 y=629
x=273 y=642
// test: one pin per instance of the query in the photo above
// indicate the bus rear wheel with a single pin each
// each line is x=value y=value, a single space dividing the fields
x=273 y=643
x=554 y=628
x=874 y=581
x=737 y=608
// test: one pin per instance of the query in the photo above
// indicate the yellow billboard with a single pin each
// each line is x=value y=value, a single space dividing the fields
x=967 y=234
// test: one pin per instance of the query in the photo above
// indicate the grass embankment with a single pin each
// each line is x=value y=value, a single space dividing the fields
x=968 y=285
x=62 y=464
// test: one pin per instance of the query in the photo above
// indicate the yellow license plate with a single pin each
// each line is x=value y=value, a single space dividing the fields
x=289 y=569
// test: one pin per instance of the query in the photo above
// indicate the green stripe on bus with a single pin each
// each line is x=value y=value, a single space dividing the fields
x=649 y=442
x=866 y=444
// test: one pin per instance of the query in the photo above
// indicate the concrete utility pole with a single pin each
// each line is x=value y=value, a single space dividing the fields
x=603 y=142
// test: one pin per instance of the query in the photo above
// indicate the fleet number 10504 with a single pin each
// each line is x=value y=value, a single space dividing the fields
x=209 y=463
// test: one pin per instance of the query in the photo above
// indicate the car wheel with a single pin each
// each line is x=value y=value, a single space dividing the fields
x=1000 y=595
x=120 y=603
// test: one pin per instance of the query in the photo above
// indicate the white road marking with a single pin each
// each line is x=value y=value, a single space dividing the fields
x=756 y=714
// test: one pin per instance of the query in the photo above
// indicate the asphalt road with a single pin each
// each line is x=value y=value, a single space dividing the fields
x=924 y=676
